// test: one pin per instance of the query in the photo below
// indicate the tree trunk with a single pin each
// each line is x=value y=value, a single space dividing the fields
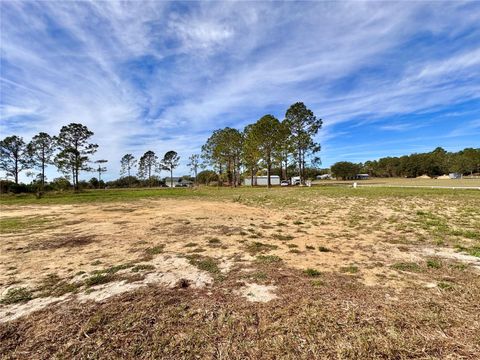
x=43 y=174
x=43 y=168
x=16 y=170
x=300 y=165
x=269 y=167
x=76 y=179
x=171 y=177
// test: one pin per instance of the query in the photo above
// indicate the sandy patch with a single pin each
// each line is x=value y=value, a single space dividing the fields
x=169 y=271
x=451 y=254
x=258 y=293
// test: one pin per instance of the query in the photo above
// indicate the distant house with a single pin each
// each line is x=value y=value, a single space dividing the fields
x=362 y=177
x=262 y=180
x=324 y=177
x=177 y=182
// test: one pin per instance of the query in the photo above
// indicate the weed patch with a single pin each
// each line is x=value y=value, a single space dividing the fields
x=17 y=295
x=312 y=272
x=407 y=266
x=258 y=247
x=155 y=250
x=268 y=259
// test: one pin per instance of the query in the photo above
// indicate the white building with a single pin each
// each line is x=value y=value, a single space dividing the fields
x=262 y=180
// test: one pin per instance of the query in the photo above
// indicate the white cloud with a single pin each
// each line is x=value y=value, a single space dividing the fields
x=225 y=63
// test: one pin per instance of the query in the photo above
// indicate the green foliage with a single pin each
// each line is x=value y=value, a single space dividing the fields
x=127 y=163
x=147 y=165
x=17 y=295
x=194 y=164
x=302 y=126
x=223 y=151
x=268 y=259
x=345 y=170
x=169 y=162
x=99 y=279
x=263 y=139
x=155 y=250
x=282 y=237
x=204 y=263
x=16 y=224
x=207 y=176
x=40 y=151
x=14 y=156
x=74 y=150
x=312 y=272
x=407 y=266
x=258 y=247
x=435 y=163
x=142 y=267
x=434 y=263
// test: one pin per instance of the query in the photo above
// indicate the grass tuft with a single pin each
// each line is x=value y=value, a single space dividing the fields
x=268 y=259
x=17 y=295
x=312 y=272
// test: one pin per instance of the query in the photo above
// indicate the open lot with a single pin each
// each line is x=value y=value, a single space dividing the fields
x=413 y=182
x=321 y=272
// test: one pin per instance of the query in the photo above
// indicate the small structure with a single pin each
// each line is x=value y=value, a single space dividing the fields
x=455 y=176
x=177 y=182
x=295 y=180
x=362 y=176
x=262 y=180
x=324 y=177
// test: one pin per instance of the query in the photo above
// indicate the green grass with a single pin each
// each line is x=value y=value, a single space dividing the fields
x=113 y=269
x=142 y=267
x=434 y=263
x=155 y=250
x=268 y=259
x=407 y=266
x=282 y=237
x=275 y=197
x=258 y=247
x=312 y=272
x=473 y=251
x=351 y=269
x=15 y=224
x=17 y=295
x=204 y=263
x=53 y=285
x=99 y=279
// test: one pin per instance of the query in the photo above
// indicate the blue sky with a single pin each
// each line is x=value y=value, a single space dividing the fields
x=387 y=78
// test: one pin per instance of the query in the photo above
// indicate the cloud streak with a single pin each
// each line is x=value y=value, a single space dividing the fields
x=161 y=75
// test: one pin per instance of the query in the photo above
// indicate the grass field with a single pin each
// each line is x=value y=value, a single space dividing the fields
x=407 y=182
x=296 y=273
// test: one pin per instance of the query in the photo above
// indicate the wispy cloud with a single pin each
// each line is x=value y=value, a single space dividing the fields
x=158 y=75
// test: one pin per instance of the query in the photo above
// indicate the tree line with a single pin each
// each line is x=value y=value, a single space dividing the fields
x=265 y=144
x=435 y=163
x=69 y=151
x=147 y=166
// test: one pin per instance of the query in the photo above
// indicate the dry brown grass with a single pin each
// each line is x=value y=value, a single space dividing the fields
x=334 y=317
x=389 y=278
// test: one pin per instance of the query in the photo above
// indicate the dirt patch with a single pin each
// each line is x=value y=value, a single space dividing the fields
x=258 y=293
x=62 y=242
x=167 y=270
